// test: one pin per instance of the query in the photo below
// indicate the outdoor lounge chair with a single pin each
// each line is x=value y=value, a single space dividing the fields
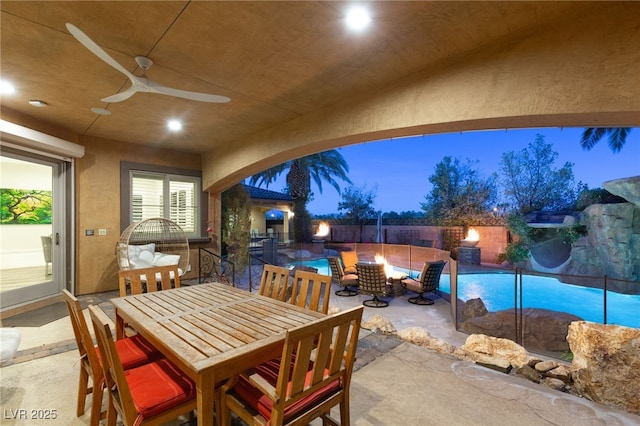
x=373 y=280
x=339 y=277
x=429 y=280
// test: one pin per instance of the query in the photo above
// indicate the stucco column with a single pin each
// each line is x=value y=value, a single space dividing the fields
x=285 y=224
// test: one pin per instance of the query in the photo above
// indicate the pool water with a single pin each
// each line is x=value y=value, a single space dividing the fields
x=497 y=292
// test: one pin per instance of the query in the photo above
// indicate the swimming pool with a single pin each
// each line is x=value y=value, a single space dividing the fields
x=497 y=292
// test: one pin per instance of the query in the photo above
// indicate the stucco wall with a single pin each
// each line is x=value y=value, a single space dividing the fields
x=493 y=239
x=98 y=206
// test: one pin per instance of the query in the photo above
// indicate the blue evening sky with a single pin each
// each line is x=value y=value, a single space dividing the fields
x=399 y=169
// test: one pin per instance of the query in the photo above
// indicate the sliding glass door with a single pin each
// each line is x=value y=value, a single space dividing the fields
x=32 y=228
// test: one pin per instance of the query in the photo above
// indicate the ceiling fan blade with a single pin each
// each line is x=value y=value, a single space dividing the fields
x=122 y=96
x=185 y=94
x=97 y=50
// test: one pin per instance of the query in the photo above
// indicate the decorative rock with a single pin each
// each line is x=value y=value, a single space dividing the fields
x=498 y=364
x=533 y=361
x=606 y=364
x=473 y=308
x=492 y=350
x=561 y=372
x=421 y=337
x=545 y=366
x=556 y=384
x=529 y=373
x=379 y=323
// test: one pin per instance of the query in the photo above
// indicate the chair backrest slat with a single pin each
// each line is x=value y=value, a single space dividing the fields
x=147 y=280
x=274 y=282
x=311 y=290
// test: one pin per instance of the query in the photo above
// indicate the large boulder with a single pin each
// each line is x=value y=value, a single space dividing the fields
x=473 y=308
x=612 y=246
x=493 y=351
x=627 y=188
x=544 y=330
x=606 y=363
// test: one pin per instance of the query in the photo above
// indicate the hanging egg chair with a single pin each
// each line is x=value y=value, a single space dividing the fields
x=153 y=242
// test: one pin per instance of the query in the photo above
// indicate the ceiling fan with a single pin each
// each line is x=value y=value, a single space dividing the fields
x=139 y=84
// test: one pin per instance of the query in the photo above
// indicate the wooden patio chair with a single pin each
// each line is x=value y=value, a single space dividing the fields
x=429 y=280
x=274 y=282
x=143 y=280
x=311 y=290
x=373 y=280
x=133 y=351
x=312 y=376
x=339 y=277
x=151 y=394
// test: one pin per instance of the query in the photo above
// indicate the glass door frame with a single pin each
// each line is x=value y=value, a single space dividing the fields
x=61 y=232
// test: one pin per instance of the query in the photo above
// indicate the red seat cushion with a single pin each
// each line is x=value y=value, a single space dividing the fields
x=158 y=386
x=258 y=401
x=134 y=351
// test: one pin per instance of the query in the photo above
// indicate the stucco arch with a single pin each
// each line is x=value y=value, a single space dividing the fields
x=582 y=71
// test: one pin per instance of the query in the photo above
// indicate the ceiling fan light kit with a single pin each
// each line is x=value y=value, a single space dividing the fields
x=139 y=84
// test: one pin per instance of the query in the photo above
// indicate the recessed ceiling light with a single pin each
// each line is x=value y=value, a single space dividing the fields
x=101 y=111
x=174 y=125
x=38 y=103
x=357 y=18
x=7 y=88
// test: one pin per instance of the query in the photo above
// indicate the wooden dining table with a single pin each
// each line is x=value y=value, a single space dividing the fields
x=211 y=331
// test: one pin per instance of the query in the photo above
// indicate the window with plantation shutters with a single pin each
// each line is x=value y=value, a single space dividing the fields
x=173 y=197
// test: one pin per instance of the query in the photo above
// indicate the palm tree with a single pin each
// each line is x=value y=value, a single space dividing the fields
x=617 y=137
x=325 y=165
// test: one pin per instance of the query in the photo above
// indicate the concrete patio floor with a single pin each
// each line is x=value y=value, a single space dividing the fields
x=395 y=382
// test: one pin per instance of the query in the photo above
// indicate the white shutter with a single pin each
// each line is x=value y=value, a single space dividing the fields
x=183 y=205
x=147 y=198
